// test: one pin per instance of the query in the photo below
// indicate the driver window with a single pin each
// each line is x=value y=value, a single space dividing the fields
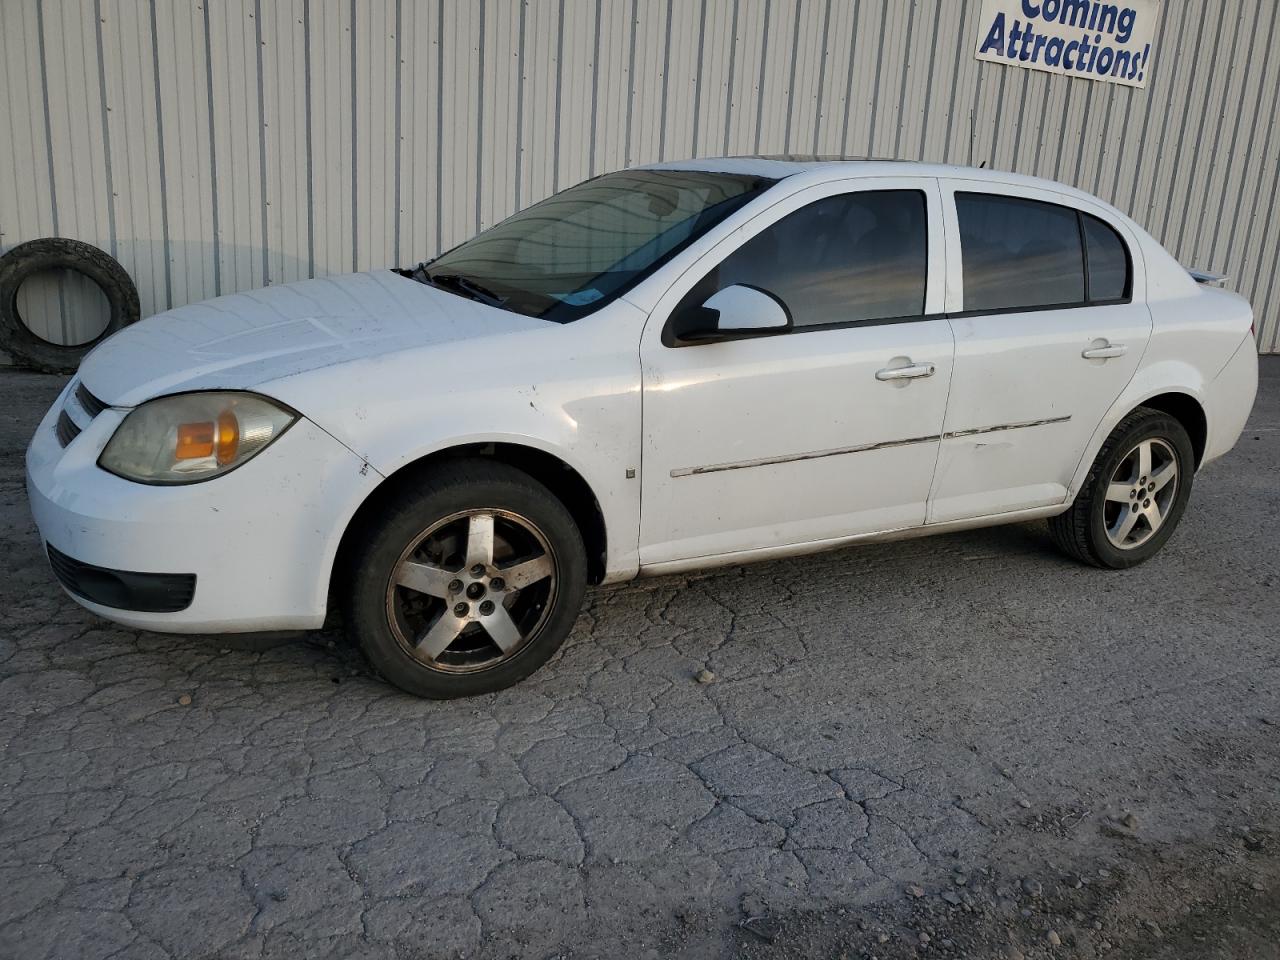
x=847 y=258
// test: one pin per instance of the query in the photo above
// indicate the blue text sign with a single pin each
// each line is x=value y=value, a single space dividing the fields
x=1093 y=39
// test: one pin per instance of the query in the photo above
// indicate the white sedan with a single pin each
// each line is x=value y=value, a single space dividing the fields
x=657 y=370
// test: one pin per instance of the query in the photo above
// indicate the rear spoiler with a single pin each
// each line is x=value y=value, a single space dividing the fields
x=1203 y=276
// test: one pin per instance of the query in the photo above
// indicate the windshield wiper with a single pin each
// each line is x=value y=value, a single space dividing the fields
x=476 y=291
x=418 y=273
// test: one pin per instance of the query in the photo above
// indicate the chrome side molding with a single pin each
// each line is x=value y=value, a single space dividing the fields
x=862 y=448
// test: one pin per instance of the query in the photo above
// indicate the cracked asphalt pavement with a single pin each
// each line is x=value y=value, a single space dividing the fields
x=965 y=745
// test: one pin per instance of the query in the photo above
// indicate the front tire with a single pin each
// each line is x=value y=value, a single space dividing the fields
x=1134 y=495
x=467 y=581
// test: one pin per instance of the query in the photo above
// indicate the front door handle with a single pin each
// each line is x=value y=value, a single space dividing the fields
x=909 y=372
x=1105 y=352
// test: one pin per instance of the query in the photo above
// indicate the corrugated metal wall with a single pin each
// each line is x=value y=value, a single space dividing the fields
x=234 y=143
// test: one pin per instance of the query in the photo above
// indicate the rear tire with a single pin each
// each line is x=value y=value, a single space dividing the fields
x=1134 y=495
x=466 y=582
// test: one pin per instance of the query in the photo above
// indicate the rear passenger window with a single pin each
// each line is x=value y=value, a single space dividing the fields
x=1019 y=253
x=843 y=259
x=1108 y=261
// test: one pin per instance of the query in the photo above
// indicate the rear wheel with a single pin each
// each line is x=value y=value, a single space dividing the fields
x=467 y=583
x=1134 y=495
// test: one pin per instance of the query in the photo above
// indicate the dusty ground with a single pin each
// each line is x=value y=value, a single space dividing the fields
x=968 y=738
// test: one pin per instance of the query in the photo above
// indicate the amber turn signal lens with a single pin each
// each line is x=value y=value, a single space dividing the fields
x=228 y=437
x=195 y=441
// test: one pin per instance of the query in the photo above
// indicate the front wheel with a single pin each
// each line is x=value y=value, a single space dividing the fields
x=468 y=581
x=1134 y=495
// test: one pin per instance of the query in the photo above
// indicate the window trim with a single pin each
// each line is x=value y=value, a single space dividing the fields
x=670 y=341
x=1084 y=256
x=668 y=338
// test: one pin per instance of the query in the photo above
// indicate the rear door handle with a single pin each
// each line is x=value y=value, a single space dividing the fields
x=1105 y=353
x=910 y=372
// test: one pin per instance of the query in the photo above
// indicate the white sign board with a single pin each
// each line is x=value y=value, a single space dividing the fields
x=1093 y=39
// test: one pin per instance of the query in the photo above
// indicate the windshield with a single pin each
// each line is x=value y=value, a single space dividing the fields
x=575 y=251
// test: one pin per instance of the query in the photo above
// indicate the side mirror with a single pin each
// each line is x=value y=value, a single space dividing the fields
x=734 y=313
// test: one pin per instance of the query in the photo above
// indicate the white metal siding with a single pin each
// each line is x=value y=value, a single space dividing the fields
x=216 y=146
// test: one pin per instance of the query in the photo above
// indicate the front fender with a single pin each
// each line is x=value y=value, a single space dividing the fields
x=571 y=391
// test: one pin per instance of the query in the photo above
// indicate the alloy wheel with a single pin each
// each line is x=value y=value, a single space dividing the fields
x=472 y=590
x=1140 y=494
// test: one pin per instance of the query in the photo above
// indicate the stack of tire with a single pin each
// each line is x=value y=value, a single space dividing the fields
x=58 y=253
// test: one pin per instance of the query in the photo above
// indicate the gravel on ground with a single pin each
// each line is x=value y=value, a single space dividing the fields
x=958 y=746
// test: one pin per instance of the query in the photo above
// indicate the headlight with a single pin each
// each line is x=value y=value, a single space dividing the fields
x=193 y=436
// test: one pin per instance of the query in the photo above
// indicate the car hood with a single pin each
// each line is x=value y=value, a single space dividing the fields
x=244 y=340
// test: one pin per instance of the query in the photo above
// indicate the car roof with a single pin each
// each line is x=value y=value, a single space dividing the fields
x=781 y=166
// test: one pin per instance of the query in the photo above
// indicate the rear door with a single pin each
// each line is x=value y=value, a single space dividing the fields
x=1047 y=304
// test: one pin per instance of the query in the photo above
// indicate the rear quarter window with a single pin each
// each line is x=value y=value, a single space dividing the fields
x=1110 y=272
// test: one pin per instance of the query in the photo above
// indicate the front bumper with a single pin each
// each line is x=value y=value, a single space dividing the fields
x=260 y=540
x=122 y=589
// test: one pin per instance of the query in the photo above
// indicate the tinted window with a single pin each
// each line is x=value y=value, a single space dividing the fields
x=577 y=250
x=1018 y=253
x=856 y=256
x=1108 y=261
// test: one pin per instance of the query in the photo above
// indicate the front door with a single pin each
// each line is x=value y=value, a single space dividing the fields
x=1050 y=323
x=826 y=431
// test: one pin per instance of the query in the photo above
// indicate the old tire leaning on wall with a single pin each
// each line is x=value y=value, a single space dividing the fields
x=58 y=253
